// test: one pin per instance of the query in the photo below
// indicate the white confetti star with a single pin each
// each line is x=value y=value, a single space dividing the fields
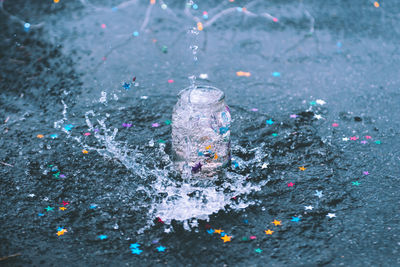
x=31 y=195
x=318 y=193
x=203 y=76
x=308 y=207
x=331 y=215
x=317 y=116
x=264 y=166
x=320 y=102
x=345 y=139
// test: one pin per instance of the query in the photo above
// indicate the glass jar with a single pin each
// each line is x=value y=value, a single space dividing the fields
x=201 y=123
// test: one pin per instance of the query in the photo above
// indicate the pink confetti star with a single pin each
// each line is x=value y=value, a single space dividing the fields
x=170 y=81
x=353 y=138
x=254 y=109
x=365 y=172
x=103 y=26
x=335 y=124
x=87 y=134
x=253 y=237
x=368 y=137
x=290 y=184
x=155 y=124
x=275 y=20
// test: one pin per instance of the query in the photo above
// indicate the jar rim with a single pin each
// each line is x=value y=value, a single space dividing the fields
x=199 y=89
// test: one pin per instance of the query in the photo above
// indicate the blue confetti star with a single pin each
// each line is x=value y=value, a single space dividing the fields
x=127 y=86
x=210 y=231
x=135 y=33
x=270 y=122
x=161 y=248
x=40 y=214
x=136 y=251
x=276 y=74
x=60 y=229
x=102 y=237
x=318 y=193
x=53 y=136
x=246 y=221
x=295 y=219
x=93 y=206
x=223 y=234
x=134 y=246
x=68 y=127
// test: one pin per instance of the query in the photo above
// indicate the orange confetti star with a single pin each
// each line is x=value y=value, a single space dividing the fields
x=268 y=232
x=152 y=2
x=85 y=151
x=218 y=231
x=302 y=168
x=215 y=156
x=62 y=208
x=56 y=1
x=199 y=26
x=277 y=222
x=226 y=238
x=243 y=73
x=376 y=4
x=40 y=136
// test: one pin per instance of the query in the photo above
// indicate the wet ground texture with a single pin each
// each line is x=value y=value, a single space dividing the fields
x=85 y=151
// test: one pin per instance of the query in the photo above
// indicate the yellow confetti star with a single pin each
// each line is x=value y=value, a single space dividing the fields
x=277 y=222
x=40 y=136
x=56 y=1
x=302 y=168
x=218 y=231
x=62 y=208
x=85 y=151
x=268 y=232
x=208 y=147
x=62 y=232
x=226 y=238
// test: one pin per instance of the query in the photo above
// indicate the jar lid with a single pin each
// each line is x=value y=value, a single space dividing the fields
x=203 y=95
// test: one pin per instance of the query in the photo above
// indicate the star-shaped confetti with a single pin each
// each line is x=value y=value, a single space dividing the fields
x=61 y=231
x=65 y=203
x=258 y=250
x=313 y=103
x=102 y=237
x=295 y=219
x=331 y=215
x=62 y=208
x=210 y=231
x=317 y=116
x=264 y=166
x=308 y=207
x=293 y=116
x=268 y=232
x=218 y=231
x=40 y=136
x=320 y=102
x=318 y=193
x=357 y=183
x=252 y=237
x=134 y=246
x=365 y=172
x=136 y=251
x=290 y=184
x=270 y=122
x=226 y=238
x=161 y=248
x=277 y=222
x=84 y=151
x=126 y=86
x=49 y=208
x=167 y=122
x=302 y=168
x=345 y=139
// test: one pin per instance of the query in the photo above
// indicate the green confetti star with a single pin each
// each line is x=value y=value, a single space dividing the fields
x=313 y=103
x=274 y=134
x=258 y=250
x=357 y=183
x=161 y=141
x=167 y=122
x=378 y=142
x=49 y=208
x=245 y=239
x=56 y=174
